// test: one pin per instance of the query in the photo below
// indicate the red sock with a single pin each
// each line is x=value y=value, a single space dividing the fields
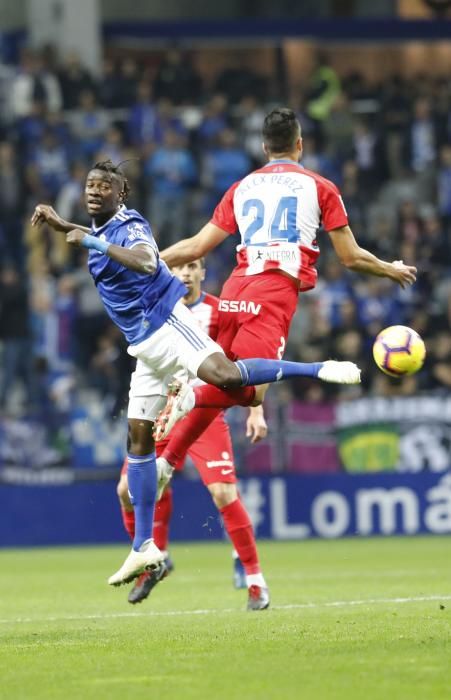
x=160 y=446
x=161 y=519
x=239 y=529
x=209 y=396
x=128 y=518
x=185 y=433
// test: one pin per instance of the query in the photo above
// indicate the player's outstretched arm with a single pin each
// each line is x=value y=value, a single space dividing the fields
x=355 y=258
x=140 y=258
x=45 y=214
x=189 y=249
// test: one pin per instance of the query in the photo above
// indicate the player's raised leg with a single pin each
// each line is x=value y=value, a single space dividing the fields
x=234 y=384
x=185 y=434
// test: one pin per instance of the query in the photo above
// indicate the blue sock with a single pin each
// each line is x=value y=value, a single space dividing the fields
x=257 y=371
x=142 y=486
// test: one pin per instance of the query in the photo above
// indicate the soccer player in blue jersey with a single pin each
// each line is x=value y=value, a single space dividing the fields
x=143 y=299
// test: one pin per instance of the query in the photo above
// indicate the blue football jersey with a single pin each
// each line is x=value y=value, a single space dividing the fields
x=138 y=303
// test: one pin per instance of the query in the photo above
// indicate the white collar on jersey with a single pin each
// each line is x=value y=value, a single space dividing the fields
x=198 y=301
x=96 y=230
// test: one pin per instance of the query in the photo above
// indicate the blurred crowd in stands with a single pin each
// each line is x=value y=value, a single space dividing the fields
x=387 y=146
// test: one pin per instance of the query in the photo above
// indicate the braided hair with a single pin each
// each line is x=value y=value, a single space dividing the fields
x=107 y=166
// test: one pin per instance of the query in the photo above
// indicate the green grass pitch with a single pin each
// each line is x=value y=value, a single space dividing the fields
x=350 y=620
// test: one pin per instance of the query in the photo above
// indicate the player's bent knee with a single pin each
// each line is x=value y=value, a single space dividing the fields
x=217 y=369
x=223 y=494
x=140 y=440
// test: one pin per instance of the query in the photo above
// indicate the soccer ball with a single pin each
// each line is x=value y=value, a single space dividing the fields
x=399 y=350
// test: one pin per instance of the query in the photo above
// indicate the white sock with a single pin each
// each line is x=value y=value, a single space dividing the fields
x=255 y=580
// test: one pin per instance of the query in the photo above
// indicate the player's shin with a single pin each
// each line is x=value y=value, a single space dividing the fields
x=260 y=371
x=142 y=485
x=163 y=512
x=257 y=371
x=240 y=531
x=127 y=512
x=128 y=520
x=185 y=433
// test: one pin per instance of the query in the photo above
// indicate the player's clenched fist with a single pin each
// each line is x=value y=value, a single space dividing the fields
x=75 y=236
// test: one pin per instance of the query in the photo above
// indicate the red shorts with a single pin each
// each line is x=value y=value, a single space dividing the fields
x=212 y=454
x=255 y=314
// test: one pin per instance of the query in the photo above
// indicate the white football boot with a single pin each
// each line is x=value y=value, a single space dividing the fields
x=148 y=557
x=164 y=475
x=258 y=598
x=339 y=372
x=180 y=402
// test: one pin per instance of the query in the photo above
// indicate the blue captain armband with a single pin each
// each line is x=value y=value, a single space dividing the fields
x=95 y=243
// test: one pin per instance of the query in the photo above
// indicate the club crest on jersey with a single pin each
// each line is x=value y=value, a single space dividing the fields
x=235 y=306
x=137 y=230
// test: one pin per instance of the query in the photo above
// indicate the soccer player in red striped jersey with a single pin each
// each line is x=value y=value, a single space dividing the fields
x=212 y=454
x=276 y=211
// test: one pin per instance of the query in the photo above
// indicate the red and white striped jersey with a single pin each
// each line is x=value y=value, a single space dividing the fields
x=205 y=310
x=278 y=210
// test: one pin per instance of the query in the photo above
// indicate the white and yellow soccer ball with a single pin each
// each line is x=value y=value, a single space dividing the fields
x=399 y=350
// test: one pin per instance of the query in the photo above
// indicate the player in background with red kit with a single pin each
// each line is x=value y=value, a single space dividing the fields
x=212 y=454
x=277 y=211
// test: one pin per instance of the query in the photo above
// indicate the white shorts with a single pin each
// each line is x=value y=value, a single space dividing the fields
x=176 y=350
